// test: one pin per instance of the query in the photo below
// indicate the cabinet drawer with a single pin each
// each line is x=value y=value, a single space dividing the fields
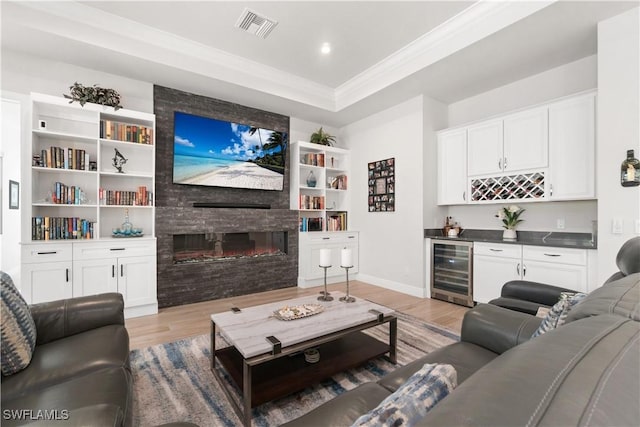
x=314 y=239
x=100 y=250
x=498 y=249
x=555 y=255
x=46 y=253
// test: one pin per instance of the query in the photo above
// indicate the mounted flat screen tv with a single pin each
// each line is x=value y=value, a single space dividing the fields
x=218 y=153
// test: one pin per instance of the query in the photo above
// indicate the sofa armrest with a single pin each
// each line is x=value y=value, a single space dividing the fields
x=62 y=318
x=539 y=293
x=497 y=329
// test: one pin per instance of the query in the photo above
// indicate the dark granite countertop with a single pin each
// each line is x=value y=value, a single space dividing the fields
x=532 y=238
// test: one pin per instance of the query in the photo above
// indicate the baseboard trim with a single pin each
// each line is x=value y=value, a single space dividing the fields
x=312 y=283
x=393 y=286
x=142 y=310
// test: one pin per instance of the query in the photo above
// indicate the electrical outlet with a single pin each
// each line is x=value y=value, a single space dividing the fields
x=616 y=226
x=560 y=223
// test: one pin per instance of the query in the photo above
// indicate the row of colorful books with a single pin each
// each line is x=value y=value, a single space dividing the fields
x=61 y=228
x=312 y=159
x=142 y=197
x=62 y=158
x=125 y=132
x=337 y=221
x=311 y=202
x=67 y=195
x=310 y=224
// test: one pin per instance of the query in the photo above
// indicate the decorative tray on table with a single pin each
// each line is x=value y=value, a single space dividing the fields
x=298 y=311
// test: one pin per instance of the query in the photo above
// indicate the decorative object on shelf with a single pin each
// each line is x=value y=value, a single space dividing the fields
x=127 y=229
x=93 y=94
x=14 y=195
x=510 y=217
x=311 y=179
x=629 y=171
x=118 y=161
x=382 y=186
x=42 y=125
x=312 y=355
x=325 y=263
x=346 y=262
x=321 y=137
x=93 y=166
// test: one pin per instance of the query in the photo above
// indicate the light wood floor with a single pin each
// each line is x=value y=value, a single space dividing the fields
x=184 y=321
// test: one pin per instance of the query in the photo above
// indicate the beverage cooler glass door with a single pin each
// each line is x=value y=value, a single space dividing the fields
x=451 y=272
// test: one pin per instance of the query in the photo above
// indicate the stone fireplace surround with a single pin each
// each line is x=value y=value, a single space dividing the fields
x=185 y=209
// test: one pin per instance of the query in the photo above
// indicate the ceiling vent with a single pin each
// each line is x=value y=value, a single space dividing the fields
x=256 y=24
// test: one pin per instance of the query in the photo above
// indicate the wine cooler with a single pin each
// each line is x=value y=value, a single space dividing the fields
x=452 y=271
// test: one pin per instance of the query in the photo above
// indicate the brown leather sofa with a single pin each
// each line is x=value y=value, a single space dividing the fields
x=79 y=372
x=586 y=372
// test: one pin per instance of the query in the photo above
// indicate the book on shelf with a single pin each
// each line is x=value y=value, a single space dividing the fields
x=141 y=197
x=339 y=182
x=310 y=224
x=312 y=159
x=311 y=202
x=67 y=195
x=61 y=228
x=337 y=221
x=118 y=131
x=63 y=158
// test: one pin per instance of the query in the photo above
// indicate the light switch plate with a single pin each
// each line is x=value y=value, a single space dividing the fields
x=560 y=223
x=616 y=226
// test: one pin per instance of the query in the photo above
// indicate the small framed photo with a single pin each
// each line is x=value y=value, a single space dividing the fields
x=93 y=166
x=14 y=195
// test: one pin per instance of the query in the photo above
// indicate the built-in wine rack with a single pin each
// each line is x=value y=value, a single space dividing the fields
x=512 y=187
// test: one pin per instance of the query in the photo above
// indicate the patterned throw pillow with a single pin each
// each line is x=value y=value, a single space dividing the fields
x=558 y=313
x=18 y=328
x=411 y=402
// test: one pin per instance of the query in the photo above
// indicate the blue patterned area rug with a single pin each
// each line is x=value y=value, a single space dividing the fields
x=173 y=382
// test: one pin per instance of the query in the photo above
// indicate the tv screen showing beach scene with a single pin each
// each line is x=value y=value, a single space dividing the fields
x=219 y=153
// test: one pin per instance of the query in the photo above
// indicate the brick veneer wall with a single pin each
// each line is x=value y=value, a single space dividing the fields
x=186 y=283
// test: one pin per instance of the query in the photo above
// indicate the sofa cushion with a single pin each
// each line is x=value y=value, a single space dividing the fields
x=578 y=374
x=111 y=386
x=422 y=391
x=69 y=357
x=465 y=357
x=557 y=315
x=18 y=328
x=621 y=297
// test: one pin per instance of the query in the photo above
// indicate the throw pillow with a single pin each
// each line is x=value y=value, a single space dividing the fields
x=18 y=328
x=558 y=313
x=411 y=402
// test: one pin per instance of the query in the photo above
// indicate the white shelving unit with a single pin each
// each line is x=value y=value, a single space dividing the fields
x=323 y=210
x=69 y=174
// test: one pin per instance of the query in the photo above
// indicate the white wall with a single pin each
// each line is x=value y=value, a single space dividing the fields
x=301 y=130
x=391 y=243
x=618 y=130
x=561 y=81
x=435 y=118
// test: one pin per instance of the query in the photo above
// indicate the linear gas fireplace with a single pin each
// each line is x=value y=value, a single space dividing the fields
x=204 y=247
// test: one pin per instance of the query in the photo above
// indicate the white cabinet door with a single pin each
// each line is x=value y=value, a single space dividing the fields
x=47 y=281
x=563 y=275
x=526 y=140
x=452 y=167
x=137 y=280
x=484 y=148
x=96 y=276
x=572 y=148
x=490 y=273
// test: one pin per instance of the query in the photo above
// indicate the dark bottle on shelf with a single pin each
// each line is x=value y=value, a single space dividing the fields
x=630 y=171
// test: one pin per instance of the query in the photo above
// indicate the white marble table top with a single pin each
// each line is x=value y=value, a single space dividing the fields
x=248 y=329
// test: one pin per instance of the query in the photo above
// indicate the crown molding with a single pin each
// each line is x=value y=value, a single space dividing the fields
x=467 y=27
x=82 y=23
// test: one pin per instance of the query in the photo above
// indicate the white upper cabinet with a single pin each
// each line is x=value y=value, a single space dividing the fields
x=572 y=148
x=452 y=167
x=484 y=148
x=526 y=140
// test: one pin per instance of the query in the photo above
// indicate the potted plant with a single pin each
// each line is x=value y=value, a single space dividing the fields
x=321 y=137
x=93 y=94
x=510 y=216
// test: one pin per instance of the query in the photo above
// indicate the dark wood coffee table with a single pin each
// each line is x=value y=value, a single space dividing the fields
x=265 y=358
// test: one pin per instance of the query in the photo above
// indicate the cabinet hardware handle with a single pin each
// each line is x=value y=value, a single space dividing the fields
x=551 y=190
x=495 y=250
x=113 y=270
x=67 y=274
x=117 y=249
x=524 y=270
x=326 y=238
x=464 y=196
x=518 y=269
x=505 y=163
x=553 y=255
x=121 y=270
x=500 y=164
x=47 y=253
x=352 y=237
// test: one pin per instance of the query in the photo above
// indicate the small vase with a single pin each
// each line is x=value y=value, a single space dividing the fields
x=311 y=180
x=509 y=234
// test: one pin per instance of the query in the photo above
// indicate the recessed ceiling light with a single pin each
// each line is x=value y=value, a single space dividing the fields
x=326 y=48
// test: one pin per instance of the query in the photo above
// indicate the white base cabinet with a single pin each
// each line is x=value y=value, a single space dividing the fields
x=494 y=264
x=309 y=271
x=90 y=268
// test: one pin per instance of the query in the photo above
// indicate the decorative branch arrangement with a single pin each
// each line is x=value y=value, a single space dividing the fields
x=93 y=94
